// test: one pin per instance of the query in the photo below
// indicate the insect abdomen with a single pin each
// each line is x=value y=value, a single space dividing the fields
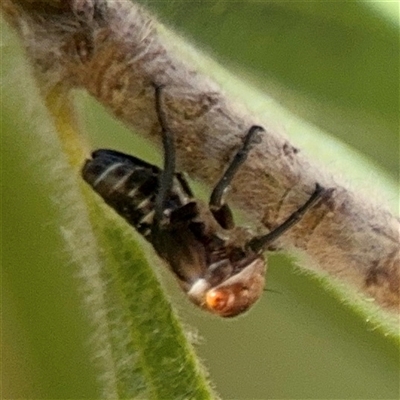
x=127 y=184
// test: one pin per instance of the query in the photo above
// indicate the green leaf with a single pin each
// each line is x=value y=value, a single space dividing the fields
x=149 y=349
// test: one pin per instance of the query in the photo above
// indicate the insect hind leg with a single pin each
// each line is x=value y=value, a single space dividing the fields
x=221 y=211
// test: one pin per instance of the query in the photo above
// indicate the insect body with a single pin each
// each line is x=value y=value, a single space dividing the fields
x=218 y=265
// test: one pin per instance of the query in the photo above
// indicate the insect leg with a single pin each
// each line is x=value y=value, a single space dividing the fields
x=184 y=184
x=260 y=243
x=221 y=211
x=167 y=175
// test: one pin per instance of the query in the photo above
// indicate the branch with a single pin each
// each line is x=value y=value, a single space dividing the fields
x=113 y=50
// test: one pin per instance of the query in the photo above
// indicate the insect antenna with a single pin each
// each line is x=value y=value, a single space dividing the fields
x=260 y=243
x=272 y=291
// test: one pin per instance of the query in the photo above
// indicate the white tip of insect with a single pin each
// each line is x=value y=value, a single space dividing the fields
x=198 y=290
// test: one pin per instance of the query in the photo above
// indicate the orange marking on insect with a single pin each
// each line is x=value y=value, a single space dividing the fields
x=218 y=300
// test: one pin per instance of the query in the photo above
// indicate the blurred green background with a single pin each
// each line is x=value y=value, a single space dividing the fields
x=335 y=65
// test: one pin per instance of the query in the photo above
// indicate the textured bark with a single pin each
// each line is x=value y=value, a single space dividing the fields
x=113 y=50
